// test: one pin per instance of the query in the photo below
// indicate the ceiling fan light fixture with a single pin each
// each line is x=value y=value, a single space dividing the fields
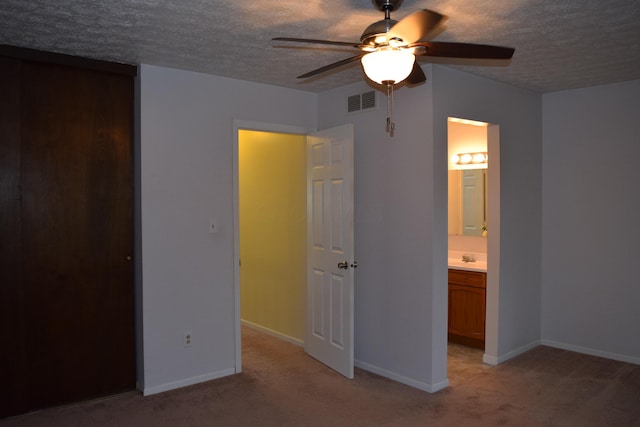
x=388 y=65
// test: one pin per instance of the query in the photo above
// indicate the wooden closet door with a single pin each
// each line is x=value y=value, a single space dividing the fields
x=77 y=230
x=12 y=351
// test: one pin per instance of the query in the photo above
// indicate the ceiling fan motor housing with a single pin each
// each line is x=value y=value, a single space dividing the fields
x=379 y=28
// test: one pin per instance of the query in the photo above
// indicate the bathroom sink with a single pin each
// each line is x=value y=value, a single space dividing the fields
x=470 y=266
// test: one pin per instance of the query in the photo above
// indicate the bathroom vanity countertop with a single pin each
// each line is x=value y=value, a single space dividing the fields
x=469 y=266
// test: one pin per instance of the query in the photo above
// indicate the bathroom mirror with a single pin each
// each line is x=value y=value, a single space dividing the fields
x=468 y=202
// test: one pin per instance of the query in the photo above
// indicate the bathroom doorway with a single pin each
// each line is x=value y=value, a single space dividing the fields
x=473 y=245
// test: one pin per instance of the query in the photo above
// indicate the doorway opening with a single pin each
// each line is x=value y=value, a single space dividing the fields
x=321 y=262
x=272 y=233
x=473 y=246
x=262 y=317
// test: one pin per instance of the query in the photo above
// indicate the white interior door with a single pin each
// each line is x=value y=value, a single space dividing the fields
x=473 y=204
x=330 y=263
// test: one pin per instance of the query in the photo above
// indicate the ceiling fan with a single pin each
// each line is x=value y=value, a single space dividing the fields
x=388 y=47
x=388 y=50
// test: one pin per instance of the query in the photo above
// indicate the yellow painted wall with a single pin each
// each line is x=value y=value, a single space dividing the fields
x=272 y=210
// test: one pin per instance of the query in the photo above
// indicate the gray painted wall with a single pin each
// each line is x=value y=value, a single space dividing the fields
x=393 y=233
x=186 y=128
x=401 y=220
x=518 y=112
x=186 y=178
x=591 y=206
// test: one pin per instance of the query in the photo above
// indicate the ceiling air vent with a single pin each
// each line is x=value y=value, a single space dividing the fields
x=361 y=101
x=368 y=100
x=353 y=103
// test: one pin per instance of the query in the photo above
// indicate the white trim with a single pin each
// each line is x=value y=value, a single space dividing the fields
x=592 y=352
x=492 y=316
x=489 y=360
x=267 y=127
x=258 y=126
x=430 y=388
x=188 y=381
x=493 y=360
x=273 y=333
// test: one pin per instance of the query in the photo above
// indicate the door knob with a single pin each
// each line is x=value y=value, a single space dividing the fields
x=343 y=265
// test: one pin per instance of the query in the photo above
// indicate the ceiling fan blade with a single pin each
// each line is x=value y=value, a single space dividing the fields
x=416 y=26
x=417 y=75
x=331 y=66
x=465 y=50
x=315 y=41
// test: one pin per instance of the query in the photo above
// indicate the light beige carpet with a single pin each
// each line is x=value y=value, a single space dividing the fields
x=282 y=386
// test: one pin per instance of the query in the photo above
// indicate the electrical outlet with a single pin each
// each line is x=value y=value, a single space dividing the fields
x=188 y=339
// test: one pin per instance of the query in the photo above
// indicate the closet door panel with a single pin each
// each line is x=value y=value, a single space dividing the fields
x=77 y=233
x=12 y=355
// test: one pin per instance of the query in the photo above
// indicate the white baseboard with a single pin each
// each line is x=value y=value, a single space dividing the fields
x=592 y=352
x=148 y=391
x=273 y=333
x=489 y=360
x=430 y=388
x=493 y=360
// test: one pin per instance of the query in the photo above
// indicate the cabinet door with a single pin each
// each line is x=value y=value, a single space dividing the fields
x=77 y=233
x=467 y=311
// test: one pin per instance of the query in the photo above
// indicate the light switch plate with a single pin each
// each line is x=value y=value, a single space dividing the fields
x=213 y=226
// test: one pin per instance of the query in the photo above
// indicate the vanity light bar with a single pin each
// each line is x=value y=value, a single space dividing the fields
x=470 y=158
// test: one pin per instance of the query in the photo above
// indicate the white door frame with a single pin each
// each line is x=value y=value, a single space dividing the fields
x=260 y=127
x=492 y=310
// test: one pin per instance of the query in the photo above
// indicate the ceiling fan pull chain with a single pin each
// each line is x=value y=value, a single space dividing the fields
x=390 y=124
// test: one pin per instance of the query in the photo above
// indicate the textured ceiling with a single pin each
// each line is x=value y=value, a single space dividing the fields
x=560 y=44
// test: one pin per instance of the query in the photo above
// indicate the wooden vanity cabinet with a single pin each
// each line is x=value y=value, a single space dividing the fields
x=467 y=302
